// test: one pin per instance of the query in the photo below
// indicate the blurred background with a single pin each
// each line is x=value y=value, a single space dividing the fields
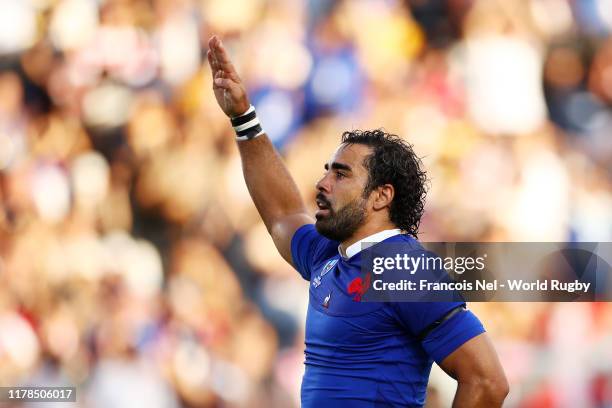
x=132 y=261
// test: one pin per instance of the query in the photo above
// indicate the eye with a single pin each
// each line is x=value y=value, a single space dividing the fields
x=340 y=175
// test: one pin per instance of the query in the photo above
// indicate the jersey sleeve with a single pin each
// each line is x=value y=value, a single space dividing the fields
x=309 y=248
x=451 y=334
x=419 y=318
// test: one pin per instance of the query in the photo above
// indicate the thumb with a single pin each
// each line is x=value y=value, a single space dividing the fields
x=224 y=83
x=232 y=87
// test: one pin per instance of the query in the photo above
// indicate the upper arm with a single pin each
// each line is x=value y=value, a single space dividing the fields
x=475 y=361
x=439 y=332
x=282 y=231
x=436 y=324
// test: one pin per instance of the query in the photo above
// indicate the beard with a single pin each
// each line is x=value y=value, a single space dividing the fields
x=342 y=224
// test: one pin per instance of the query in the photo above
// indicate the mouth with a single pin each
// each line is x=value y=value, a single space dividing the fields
x=324 y=209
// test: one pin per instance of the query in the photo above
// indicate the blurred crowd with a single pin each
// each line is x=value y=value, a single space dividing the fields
x=132 y=261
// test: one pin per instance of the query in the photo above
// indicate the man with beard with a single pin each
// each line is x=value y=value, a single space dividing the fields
x=358 y=354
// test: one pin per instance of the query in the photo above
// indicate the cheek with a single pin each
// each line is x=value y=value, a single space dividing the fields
x=346 y=193
x=354 y=188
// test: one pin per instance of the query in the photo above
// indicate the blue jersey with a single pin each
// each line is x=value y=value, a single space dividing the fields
x=366 y=354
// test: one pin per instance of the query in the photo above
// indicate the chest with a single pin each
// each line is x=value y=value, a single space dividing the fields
x=335 y=313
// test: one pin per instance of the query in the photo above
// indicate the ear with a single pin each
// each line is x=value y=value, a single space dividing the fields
x=383 y=195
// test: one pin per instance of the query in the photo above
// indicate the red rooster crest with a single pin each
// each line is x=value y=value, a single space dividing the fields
x=359 y=286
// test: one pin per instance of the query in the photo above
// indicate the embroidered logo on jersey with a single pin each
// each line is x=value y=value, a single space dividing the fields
x=359 y=286
x=328 y=266
x=326 y=300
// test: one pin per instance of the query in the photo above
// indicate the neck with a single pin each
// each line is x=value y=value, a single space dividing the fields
x=363 y=232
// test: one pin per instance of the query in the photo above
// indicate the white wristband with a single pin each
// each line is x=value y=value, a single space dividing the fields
x=247 y=125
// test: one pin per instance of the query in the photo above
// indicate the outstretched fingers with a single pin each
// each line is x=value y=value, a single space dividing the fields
x=221 y=56
x=212 y=63
x=229 y=91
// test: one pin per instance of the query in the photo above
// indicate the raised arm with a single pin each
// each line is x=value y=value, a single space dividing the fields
x=271 y=187
x=479 y=374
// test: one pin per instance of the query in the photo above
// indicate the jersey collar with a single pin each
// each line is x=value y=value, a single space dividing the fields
x=355 y=248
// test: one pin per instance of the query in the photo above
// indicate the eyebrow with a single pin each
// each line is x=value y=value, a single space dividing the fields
x=338 y=166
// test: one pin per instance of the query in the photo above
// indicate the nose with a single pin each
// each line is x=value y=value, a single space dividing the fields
x=323 y=185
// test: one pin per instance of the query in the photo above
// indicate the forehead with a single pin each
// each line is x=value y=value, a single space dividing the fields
x=352 y=155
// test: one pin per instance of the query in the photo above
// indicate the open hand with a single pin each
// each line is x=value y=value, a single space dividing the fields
x=229 y=91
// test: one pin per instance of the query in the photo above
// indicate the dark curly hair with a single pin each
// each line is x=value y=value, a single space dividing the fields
x=394 y=162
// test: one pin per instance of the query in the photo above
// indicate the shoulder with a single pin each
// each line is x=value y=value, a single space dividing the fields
x=307 y=242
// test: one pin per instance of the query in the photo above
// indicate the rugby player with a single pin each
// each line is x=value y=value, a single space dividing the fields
x=358 y=354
